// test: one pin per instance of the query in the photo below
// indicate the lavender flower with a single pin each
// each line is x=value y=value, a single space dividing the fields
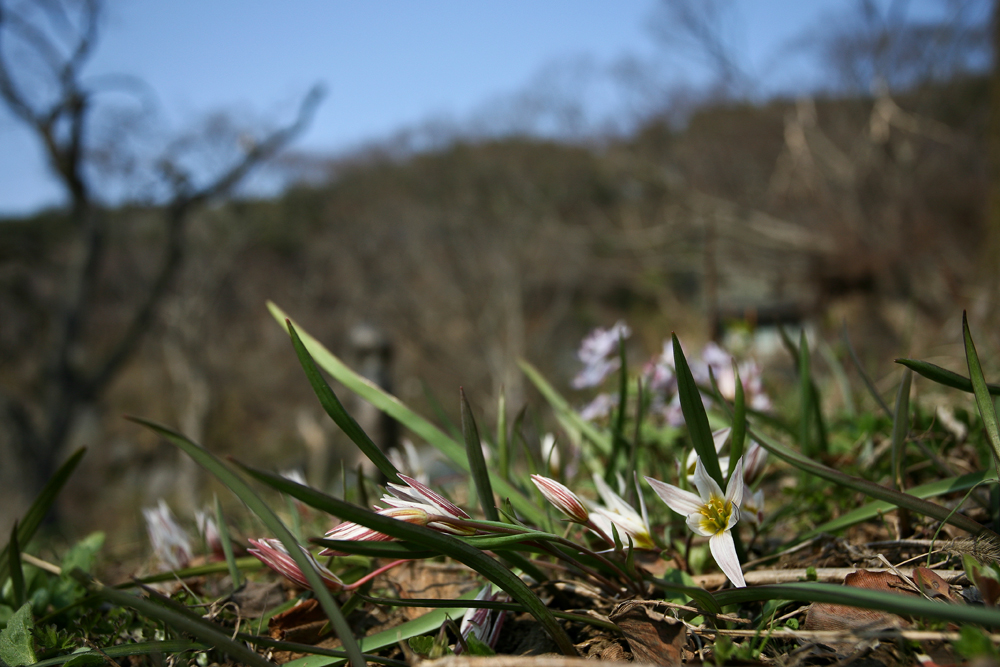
x=598 y=352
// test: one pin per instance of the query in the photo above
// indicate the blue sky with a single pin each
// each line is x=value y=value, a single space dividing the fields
x=387 y=64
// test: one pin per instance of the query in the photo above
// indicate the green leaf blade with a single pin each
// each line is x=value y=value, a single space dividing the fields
x=333 y=407
x=695 y=417
x=396 y=409
x=477 y=462
x=986 y=408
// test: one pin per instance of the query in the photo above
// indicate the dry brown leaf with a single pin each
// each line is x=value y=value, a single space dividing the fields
x=653 y=636
x=931 y=584
x=824 y=616
x=302 y=623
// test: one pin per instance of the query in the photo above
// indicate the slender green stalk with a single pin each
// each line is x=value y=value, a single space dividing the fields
x=901 y=428
x=336 y=410
x=16 y=571
x=503 y=444
x=618 y=442
x=737 y=438
x=227 y=545
x=477 y=462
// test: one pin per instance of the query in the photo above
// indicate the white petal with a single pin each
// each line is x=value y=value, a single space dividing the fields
x=719 y=437
x=694 y=522
x=707 y=487
x=734 y=490
x=612 y=500
x=679 y=500
x=724 y=552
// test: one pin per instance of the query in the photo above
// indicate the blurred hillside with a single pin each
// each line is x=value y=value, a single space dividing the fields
x=473 y=256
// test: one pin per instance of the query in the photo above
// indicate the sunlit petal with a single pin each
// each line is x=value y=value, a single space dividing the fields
x=724 y=551
x=679 y=500
x=707 y=487
x=696 y=523
x=734 y=490
x=719 y=437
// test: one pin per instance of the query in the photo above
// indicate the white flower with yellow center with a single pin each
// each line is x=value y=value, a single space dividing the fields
x=710 y=514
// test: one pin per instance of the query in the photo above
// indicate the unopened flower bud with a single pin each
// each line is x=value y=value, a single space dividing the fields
x=272 y=553
x=754 y=461
x=562 y=498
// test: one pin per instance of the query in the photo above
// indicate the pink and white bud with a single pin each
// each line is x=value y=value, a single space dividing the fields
x=420 y=496
x=752 y=509
x=272 y=553
x=483 y=624
x=354 y=532
x=562 y=498
x=754 y=462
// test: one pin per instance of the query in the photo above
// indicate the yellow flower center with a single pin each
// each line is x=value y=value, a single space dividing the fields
x=716 y=513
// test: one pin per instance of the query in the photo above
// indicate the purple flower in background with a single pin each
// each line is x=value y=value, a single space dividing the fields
x=599 y=408
x=599 y=354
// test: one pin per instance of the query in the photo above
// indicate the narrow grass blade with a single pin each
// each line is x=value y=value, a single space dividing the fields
x=633 y=451
x=563 y=410
x=986 y=408
x=199 y=628
x=429 y=622
x=245 y=564
x=872 y=510
x=170 y=646
x=837 y=368
x=477 y=462
x=503 y=444
x=427 y=538
x=739 y=433
x=944 y=376
x=864 y=376
x=393 y=407
x=243 y=491
x=16 y=570
x=227 y=545
x=336 y=410
x=864 y=598
x=40 y=508
x=805 y=397
x=901 y=427
x=896 y=498
x=695 y=417
x=618 y=442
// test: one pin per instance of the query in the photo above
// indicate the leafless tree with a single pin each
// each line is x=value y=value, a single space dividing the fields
x=44 y=48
